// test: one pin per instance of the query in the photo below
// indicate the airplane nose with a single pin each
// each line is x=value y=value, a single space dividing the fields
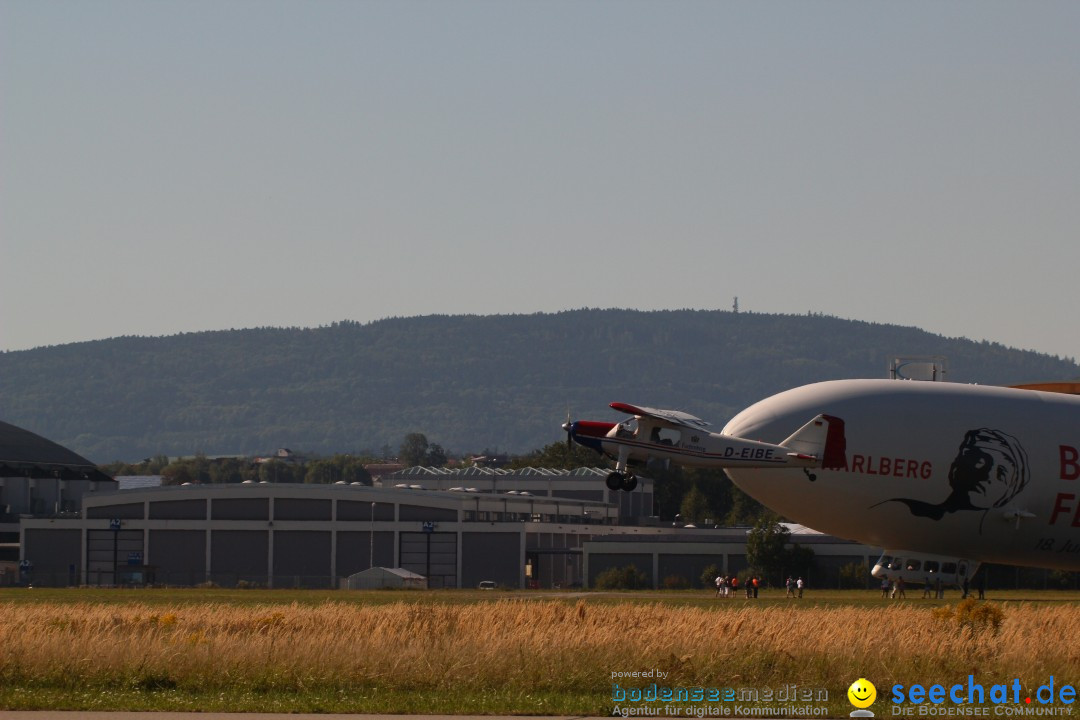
x=588 y=432
x=590 y=428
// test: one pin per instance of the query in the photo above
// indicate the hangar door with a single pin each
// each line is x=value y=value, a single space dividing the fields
x=431 y=554
x=106 y=549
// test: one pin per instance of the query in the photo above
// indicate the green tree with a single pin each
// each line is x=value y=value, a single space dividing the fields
x=227 y=470
x=201 y=467
x=322 y=471
x=766 y=546
x=339 y=468
x=709 y=574
x=276 y=471
x=768 y=553
x=177 y=474
x=694 y=507
x=435 y=456
x=799 y=560
x=352 y=469
x=154 y=465
x=414 y=449
x=854 y=576
x=671 y=484
x=744 y=509
x=628 y=577
x=726 y=503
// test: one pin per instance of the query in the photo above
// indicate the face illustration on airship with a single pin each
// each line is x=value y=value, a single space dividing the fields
x=989 y=470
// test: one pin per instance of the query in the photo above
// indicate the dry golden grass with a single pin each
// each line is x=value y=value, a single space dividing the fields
x=518 y=644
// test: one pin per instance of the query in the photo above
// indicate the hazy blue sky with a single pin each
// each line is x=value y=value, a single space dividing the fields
x=180 y=166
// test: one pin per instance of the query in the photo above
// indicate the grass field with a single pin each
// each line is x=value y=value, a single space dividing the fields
x=485 y=652
x=695 y=598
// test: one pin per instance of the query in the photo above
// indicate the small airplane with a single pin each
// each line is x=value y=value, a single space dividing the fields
x=945 y=474
x=685 y=440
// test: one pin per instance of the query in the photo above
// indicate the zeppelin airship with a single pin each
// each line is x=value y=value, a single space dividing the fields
x=942 y=475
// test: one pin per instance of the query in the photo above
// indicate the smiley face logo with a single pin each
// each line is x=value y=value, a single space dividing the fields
x=862 y=693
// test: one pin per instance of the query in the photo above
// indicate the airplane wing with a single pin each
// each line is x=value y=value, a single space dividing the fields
x=674 y=417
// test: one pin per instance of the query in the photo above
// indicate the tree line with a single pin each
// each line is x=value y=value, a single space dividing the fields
x=501 y=382
x=204 y=470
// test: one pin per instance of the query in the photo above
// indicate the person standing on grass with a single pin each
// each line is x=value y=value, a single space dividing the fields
x=734 y=584
x=799 y=584
x=790 y=585
x=885 y=585
x=719 y=584
x=926 y=587
x=900 y=588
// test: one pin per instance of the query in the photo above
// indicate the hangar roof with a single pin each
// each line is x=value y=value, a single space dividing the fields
x=25 y=454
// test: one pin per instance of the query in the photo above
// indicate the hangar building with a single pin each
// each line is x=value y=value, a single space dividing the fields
x=291 y=535
x=315 y=536
x=456 y=528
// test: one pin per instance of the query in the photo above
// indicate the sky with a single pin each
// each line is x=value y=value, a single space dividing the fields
x=177 y=166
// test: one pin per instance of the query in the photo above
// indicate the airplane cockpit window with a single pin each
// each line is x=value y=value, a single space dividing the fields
x=627 y=428
x=665 y=436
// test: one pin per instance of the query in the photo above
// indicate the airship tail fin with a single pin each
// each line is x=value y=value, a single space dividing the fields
x=820 y=442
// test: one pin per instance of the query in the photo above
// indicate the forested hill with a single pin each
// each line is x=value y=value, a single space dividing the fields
x=469 y=383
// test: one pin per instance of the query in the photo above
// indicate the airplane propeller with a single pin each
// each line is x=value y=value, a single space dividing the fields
x=568 y=426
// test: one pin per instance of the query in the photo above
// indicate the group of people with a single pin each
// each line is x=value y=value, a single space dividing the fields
x=728 y=586
x=895 y=588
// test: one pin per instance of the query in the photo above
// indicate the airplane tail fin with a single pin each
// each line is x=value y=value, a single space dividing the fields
x=820 y=442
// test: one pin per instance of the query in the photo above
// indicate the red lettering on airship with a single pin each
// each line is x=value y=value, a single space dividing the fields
x=891 y=467
x=835 y=457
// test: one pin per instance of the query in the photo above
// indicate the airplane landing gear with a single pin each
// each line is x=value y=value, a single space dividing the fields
x=618 y=481
x=810 y=475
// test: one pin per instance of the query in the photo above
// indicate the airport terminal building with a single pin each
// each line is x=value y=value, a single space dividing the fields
x=532 y=528
x=64 y=523
x=294 y=535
